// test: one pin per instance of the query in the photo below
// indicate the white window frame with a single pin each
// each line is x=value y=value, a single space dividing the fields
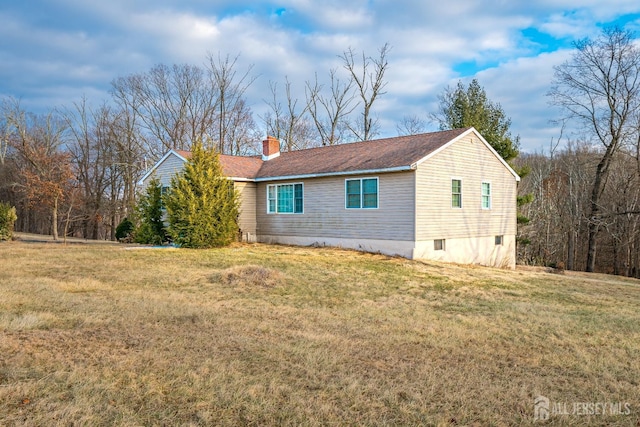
x=346 y=195
x=482 y=196
x=275 y=212
x=453 y=178
x=164 y=189
x=443 y=243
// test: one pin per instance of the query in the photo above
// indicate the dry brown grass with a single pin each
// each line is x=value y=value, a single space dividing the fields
x=248 y=275
x=272 y=335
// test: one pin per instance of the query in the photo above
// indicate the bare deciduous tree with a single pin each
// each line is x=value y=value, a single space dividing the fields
x=45 y=168
x=411 y=125
x=329 y=113
x=600 y=87
x=368 y=76
x=91 y=155
x=175 y=105
x=233 y=114
x=287 y=122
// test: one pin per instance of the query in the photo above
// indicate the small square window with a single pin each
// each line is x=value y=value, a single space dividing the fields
x=438 y=245
x=499 y=240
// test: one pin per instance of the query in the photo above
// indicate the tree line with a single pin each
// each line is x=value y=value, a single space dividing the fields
x=77 y=168
x=73 y=170
x=585 y=213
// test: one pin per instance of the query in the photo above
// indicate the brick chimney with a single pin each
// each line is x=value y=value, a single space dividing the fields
x=270 y=148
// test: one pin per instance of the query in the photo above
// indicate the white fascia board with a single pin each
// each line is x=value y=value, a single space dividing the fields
x=326 y=174
x=240 y=179
x=158 y=163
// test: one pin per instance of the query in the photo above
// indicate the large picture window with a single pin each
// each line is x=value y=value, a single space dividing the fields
x=285 y=198
x=361 y=193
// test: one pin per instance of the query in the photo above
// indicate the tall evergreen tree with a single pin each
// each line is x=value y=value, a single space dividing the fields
x=8 y=218
x=150 y=209
x=462 y=107
x=202 y=205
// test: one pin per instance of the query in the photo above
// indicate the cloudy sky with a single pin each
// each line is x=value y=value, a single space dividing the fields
x=53 y=52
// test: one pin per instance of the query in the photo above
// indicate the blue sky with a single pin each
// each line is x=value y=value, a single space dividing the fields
x=53 y=52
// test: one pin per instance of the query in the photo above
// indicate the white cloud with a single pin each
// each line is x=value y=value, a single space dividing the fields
x=520 y=86
x=95 y=41
x=335 y=15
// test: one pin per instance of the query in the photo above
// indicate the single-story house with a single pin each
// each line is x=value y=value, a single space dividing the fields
x=443 y=196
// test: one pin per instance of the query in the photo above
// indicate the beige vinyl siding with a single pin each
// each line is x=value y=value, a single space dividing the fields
x=171 y=166
x=325 y=214
x=467 y=159
x=247 y=220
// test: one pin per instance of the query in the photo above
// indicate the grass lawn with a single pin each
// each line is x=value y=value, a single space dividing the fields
x=274 y=335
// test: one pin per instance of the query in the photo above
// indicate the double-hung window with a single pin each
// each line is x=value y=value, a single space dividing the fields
x=456 y=193
x=486 y=195
x=285 y=198
x=361 y=193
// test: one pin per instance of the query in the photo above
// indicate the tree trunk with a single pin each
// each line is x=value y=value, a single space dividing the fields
x=54 y=219
x=616 y=256
x=112 y=232
x=571 y=250
x=66 y=223
x=594 y=217
x=591 y=246
x=96 y=225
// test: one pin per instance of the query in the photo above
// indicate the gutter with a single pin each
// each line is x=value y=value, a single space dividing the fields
x=326 y=174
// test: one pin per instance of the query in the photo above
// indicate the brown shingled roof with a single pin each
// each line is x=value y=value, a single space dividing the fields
x=234 y=166
x=240 y=167
x=387 y=153
x=378 y=154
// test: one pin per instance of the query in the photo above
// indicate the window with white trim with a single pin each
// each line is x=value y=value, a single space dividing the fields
x=439 y=245
x=486 y=195
x=285 y=198
x=456 y=193
x=361 y=193
x=164 y=189
x=499 y=240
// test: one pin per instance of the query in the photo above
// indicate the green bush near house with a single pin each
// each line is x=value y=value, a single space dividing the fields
x=202 y=205
x=151 y=229
x=8 y=218
x=125 y=230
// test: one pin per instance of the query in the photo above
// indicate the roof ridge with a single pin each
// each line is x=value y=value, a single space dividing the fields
x=399 y=137
x=390 y=138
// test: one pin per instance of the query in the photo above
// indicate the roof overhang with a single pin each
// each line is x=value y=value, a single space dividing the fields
x=159 y=162
x=328 y=174
x=349 y=173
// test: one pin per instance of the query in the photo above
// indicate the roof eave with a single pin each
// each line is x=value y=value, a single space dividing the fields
x=344 y=173
x=158 y=163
